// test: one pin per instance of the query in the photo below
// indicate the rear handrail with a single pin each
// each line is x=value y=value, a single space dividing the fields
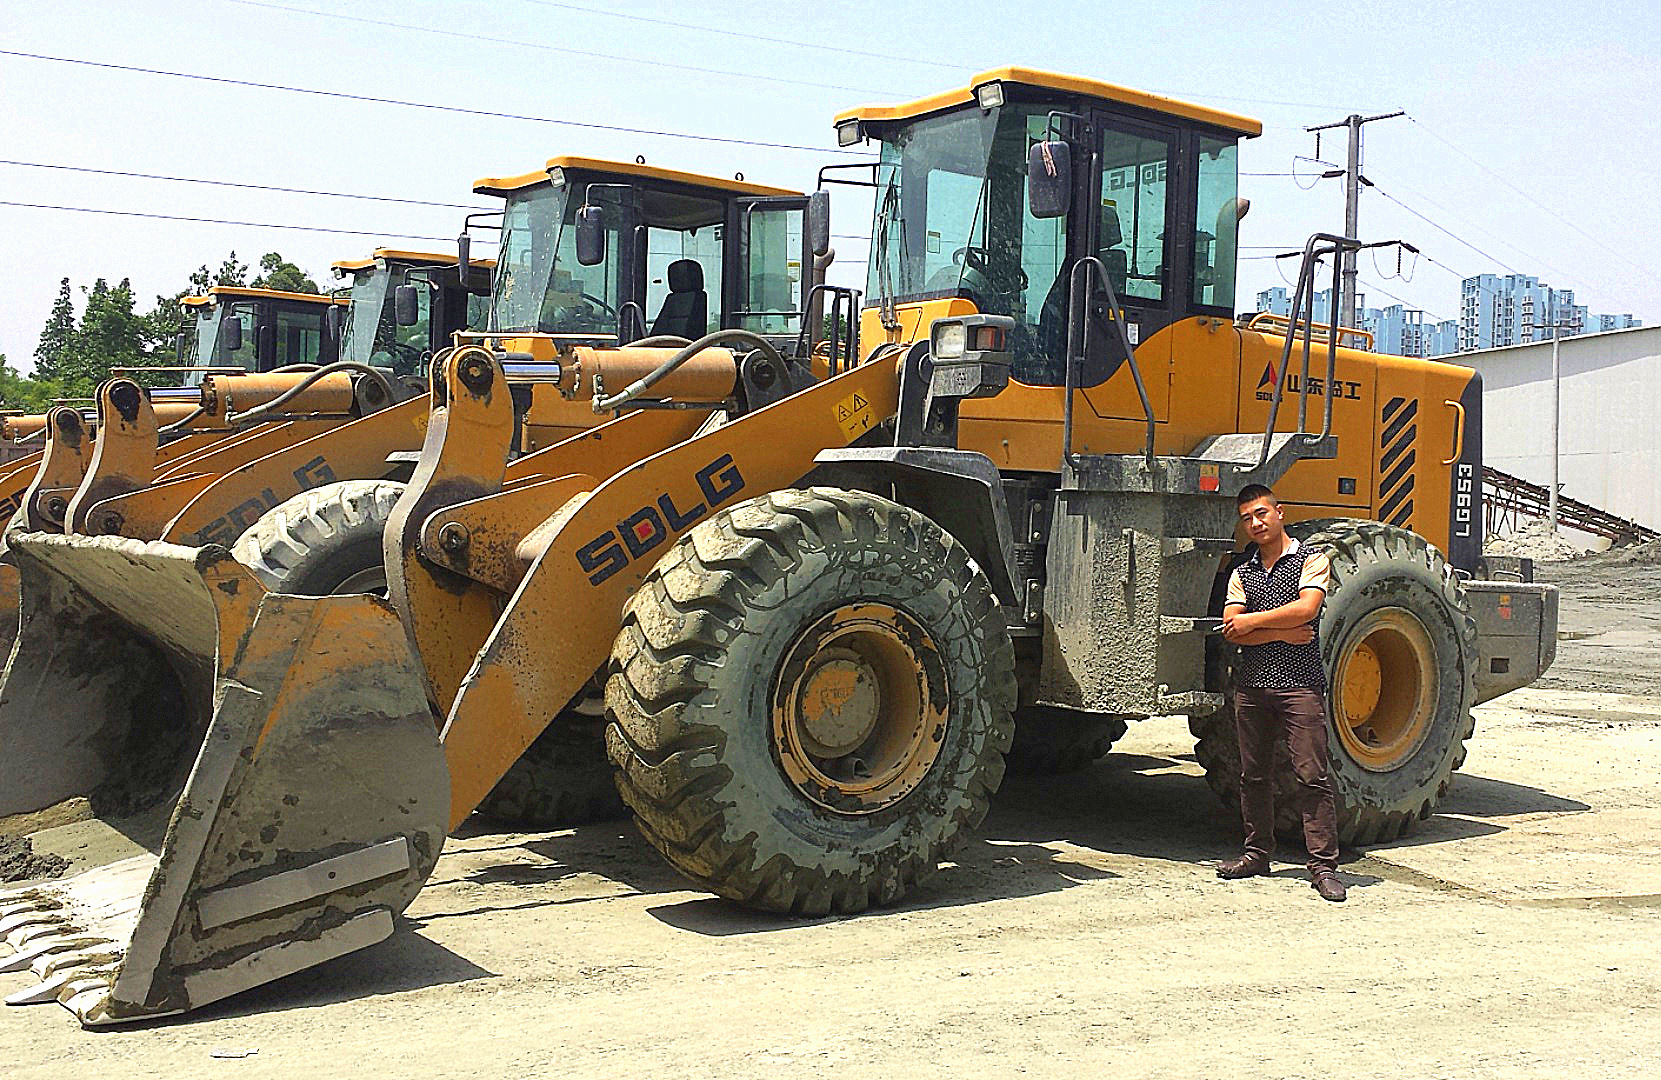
x=1303 y=299
x=1077 y=317
x=1269 y=322
x=844 y=304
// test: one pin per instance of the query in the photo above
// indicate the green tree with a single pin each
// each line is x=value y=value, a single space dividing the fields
x=58 y=336
x=19 y=391
x=110 y=336
x=277 y=273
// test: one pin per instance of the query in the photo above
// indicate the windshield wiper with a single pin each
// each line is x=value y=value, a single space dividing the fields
x=885 y=284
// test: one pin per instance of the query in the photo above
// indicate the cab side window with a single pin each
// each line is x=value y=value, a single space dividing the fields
x=771 y=287
x=1216 y=224
x=299 y=338
x=683 y=280
x=1131 y=238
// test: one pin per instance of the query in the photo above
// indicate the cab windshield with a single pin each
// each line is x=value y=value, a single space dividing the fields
x=952 y=220
x=372 y=334
x=540 y=287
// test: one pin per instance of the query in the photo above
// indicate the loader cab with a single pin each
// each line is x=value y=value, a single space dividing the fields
x=405 y=305
x=672 y=253
x=259 y=329
x=1147 y=187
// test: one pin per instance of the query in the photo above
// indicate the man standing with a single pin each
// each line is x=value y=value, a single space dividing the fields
x=1273 y=600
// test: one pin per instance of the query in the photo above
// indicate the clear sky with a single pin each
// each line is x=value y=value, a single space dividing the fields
x=1535 y=134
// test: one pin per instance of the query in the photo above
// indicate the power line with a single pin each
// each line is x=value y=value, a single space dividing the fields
x=892 y=57
x=520 y=43
x=1486 y=232
x=1466 y=155
x=1445 y=231
x=586 y=125
x=223 y=221
x=237 y=184
x=747 y=36
x=1405 y=303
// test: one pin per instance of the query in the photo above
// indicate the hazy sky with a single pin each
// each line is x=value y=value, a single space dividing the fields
x=1535 y=134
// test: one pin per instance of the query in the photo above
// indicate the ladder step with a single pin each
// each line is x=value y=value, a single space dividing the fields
x=1182 y=545
x=1192 y=703
x=1182 y=624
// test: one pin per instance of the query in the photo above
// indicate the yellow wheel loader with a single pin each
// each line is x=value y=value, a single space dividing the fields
x=662 y=229
x=203 y=461
x=823 y=610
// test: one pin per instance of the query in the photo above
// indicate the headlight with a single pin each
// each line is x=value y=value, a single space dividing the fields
x=951 y=341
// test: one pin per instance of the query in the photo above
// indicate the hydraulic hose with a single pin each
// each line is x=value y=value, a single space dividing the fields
x=310 y=380
x=687 y=352
x=179 y=424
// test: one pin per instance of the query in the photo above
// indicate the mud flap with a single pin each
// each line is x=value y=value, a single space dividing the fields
x=313 y=798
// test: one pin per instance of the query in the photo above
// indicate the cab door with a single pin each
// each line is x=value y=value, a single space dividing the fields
x=769 y=267
x=1133 y=197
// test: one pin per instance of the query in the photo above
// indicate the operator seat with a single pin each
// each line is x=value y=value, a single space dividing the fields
x=1052 y=317
x=685 y=311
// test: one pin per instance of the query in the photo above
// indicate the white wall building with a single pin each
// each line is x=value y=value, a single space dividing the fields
x=1611 y=417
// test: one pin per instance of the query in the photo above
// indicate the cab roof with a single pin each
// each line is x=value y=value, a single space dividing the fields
x=239 y=292
x=417 y=258
x=1049 y=80
x=494 y=185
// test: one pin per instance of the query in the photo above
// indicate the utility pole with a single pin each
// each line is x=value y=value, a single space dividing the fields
x=1345 y=313
x=1556 y=420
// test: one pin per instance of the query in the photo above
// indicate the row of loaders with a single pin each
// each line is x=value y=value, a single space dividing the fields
x=813 y=565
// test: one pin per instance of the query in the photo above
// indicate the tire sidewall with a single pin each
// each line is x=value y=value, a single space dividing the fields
x=1362 y=582
x=831 y=572
x=289 y=561
x=1392 y=585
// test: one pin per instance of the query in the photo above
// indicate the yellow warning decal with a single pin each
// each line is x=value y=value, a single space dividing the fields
x=853 y=416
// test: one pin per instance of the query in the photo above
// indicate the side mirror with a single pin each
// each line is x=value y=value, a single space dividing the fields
x=591 y=236
x=181 y=342
x=265 y=353
x=406 y=305
x=334 y=321
x=818 y=222
x=1049 y=179
x=464 y=260
x=230 y=335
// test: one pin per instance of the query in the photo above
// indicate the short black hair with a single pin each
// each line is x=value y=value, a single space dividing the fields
x=1254 y=492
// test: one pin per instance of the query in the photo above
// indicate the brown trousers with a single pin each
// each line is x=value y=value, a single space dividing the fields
x=1261 y=718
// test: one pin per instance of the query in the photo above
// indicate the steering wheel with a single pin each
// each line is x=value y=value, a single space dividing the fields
x=604 y=307
x=978 y=258
x=403 y=356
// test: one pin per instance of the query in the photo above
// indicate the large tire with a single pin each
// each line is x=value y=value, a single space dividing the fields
x=327 y=541
x=323 y=541
x=562 y=779
x=1393 y=598
x=771 y=628
x=1050 y=740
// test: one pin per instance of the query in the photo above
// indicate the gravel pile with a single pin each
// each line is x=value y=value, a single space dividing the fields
x=1535 y=541
x=18 y=861
x=1636 y=555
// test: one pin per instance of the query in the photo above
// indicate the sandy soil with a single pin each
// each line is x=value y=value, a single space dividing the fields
x=1082 y=933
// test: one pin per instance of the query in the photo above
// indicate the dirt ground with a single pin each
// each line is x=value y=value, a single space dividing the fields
x=1518 y=934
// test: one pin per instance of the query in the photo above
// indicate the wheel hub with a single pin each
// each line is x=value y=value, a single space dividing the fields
x=859 y=708
x=839 y=703
x=1385 y=689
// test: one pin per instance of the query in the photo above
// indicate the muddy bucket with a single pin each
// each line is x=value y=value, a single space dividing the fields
x=272 y=758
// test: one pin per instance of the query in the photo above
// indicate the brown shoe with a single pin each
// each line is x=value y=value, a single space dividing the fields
x=1327 y=884
x=1244 y=867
